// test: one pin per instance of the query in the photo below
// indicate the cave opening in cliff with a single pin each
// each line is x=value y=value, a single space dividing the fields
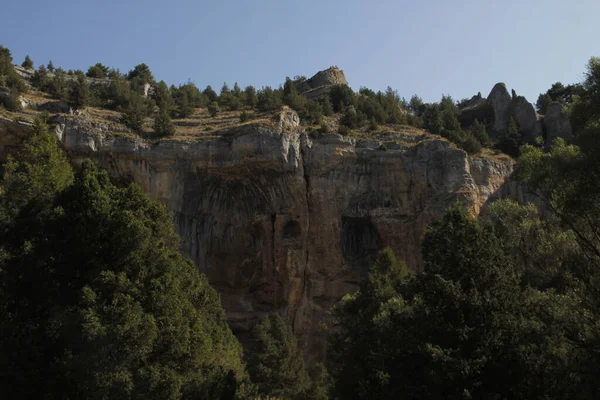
x=291 y=230
x=359 y=241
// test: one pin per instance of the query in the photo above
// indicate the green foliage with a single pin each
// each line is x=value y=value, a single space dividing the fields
x=511 y=142
x=250 y=96
x=358 y=346
x=327 y=106
x=40 y=79
x=244 y=117
x=416 y=106
x=58 y=87
x=432 y=119
x=186 y=98
x=162 y=123
x=40 y=170
x=210 y=94
x=342 y=96
x=27 y=63
x=135 y=112
x=275 y=364
x=479 y=132
x=542 y=103
x=269 y=99
x=98 y=71
x=80 y=92
x=352 y=119
x=466 y=322
x=141 y=73
x=291 y=97
x=320 y=383
x=10 y=79
x=50 y=66
x=162 y=96
x=585 y=110
x=98 y=303
x=471 y=145
x=214 y=109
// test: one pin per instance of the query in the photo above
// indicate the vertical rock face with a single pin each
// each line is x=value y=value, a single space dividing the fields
x=557 y=124
x=281 y=222
x=497 y=111
x=501 y=101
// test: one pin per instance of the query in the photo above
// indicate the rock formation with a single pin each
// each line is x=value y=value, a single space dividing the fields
x=499 y=107
x=320 y=84
x=282 y=221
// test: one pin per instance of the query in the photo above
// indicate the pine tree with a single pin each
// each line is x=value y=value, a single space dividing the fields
x=214 y=109
x=27 y=63
x=163 y=125
x=211 y=94
x=275 y=364
x=39 y=171
x=80 y=92
x=251 y=99
x=50 y=66
x=98 y=302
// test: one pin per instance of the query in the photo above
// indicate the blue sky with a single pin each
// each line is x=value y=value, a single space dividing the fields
x=427 y=47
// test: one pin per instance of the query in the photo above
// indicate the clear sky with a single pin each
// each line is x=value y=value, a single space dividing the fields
x=427 y=47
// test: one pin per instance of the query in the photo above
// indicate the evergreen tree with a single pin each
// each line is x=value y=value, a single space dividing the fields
x=268 y=99
x=141 y=74
x=98 y=71
x=432 y=119
x=275 y=364
x=80 y=92
x=479 y=131
x=291 y=98
x=40 y=170
x=97 y=302
x=9 y=78
x=50 y=66
x=542 y=103
x=213 y=109
x=466 y=321
x=40 y=79
x=27 y=63
x=327 y=106
x=342 y=96
x=135 y=112
x=162 y=96
x=510 y=143
x=210 y=94
x=416 y=105
x=251 y=98
x=58 y=85
x=163 y=125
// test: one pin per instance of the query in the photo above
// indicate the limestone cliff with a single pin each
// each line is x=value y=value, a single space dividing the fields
x=283 y=221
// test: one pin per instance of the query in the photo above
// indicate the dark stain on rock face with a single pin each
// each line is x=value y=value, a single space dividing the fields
x=291 y=230
x=360 y=242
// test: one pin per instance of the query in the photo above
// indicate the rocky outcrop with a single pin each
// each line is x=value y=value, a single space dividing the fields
x=280 y=221
x=557 y=124
x=498 y=109
x=501 y=102
x=320 y=84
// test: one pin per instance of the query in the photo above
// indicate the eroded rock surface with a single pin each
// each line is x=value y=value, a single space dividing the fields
x=320 y=84
x=282 y=222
